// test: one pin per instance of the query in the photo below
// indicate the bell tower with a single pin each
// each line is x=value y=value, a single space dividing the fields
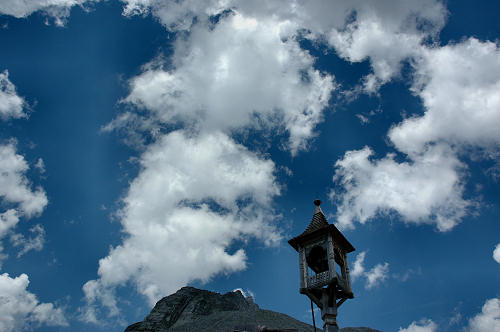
x=324 y=271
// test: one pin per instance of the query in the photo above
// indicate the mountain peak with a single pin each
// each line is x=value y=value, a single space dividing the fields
x=195 y=310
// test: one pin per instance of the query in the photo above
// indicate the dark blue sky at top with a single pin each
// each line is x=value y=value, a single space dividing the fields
x=73 y=78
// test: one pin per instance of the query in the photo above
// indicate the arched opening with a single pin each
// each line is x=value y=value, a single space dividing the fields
x=317 y=259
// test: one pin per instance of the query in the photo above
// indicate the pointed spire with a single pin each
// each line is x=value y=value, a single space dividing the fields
x=317 y=202
x=318 y=220
x=317 y=228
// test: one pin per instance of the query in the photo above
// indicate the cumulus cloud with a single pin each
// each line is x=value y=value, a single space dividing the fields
x=200 y=194
x=15 y=188
x=176 y=15
x=11 y=105
x=374 y=277
x=21 y=200
x=243 y=72
x=8 y=220
x=377 y=275
x=248 y=293
x=424 y=325
x=427 y=189
x=40 y=165
x=57 y=9
x=496 y=253
x=386 y=33
x=460 y=97
x=194 y=198
x=211 y=80
x=409 y=273
x=32 y=243
x=358 y=266
x=488 y=320
x=21 y=309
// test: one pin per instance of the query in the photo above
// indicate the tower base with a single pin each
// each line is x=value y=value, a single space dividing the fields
x=331 y=328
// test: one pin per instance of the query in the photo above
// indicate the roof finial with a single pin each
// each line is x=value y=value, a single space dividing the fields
x=317 y=202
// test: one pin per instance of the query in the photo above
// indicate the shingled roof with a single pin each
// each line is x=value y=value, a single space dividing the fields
x=319 y=224
x=318 y=220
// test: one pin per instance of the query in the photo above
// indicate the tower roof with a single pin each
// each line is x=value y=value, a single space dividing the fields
x=318 y=220
x=317 y=226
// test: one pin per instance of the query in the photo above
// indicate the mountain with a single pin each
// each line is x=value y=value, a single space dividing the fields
x=196 y=310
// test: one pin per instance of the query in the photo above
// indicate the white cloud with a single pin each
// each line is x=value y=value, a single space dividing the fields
x=247 y=293
x=358 y=267
x=425 y=325
x=175 y=15
x=460 y=95
x=15 y=188
x=97 y=293
x=488 y=320
x=377 y=275
x=454 y=320
x=224 y=78
x=194 y=197
x=408 y=274
x=427 y=189
x=32 y=243
x=21 y=310
x=462 y=109
x=385 y=32
x=58 y=9
x=496 y=253
x=11 y=105
x=40 y=165
x=198 y=195
x=21 y=201
x=212 y=81
x=8 y=220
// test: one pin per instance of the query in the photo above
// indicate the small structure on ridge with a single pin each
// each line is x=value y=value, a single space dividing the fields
x=324 y=271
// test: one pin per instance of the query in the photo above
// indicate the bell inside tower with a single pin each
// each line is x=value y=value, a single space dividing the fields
x=317 y=259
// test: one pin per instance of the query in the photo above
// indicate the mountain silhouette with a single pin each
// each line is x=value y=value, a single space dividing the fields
x=196 y=310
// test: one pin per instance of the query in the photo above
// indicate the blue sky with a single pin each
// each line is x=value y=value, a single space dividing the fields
x=148 y=145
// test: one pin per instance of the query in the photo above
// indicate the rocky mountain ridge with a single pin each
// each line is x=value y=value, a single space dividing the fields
x=195 y=310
